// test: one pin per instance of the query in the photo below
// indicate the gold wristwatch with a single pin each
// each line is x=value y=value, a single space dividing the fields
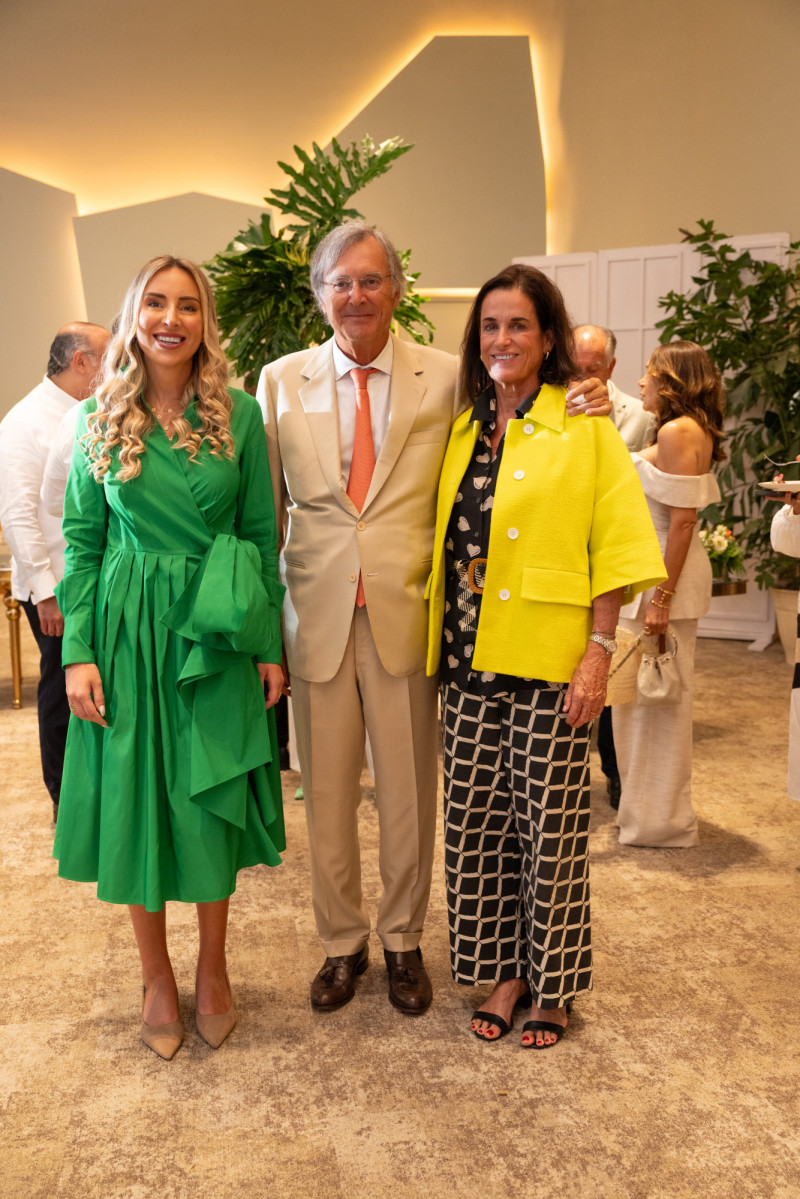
x=608 y=643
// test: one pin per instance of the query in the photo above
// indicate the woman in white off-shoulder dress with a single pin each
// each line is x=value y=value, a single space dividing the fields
x=785 y=534
x=683 y=389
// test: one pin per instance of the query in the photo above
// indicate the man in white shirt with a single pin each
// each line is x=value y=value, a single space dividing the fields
x=33 y=535
x=595 y=353
x=356 y=432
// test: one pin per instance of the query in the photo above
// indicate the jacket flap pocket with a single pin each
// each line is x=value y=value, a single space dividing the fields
x=556 y=586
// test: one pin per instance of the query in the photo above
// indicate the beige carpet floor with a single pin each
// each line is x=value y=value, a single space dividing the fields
x=678 y=1077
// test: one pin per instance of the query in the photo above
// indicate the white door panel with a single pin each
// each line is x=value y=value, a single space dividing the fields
x=620 y=290
x=629 y=284
x=575 y=276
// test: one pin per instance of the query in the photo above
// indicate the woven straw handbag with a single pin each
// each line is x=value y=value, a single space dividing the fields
x=624 y=667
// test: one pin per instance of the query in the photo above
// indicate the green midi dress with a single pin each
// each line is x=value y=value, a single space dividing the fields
x=171 y=588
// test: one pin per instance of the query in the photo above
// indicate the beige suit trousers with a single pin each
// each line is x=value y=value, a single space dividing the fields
x=400 y=716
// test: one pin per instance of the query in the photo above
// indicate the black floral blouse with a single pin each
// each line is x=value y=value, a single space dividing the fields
x=466 y=546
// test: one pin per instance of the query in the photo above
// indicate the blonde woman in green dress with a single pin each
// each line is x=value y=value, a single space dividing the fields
x=172 y=602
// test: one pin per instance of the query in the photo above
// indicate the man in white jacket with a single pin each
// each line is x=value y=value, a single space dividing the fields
x=33 y=535
x=595 y=353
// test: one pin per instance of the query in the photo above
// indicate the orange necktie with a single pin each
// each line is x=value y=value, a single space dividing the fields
x=363 y=463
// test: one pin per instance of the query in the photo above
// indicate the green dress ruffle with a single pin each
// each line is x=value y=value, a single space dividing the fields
x=172 y=588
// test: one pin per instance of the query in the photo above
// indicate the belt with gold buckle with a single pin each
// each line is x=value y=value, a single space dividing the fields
x=472 y=572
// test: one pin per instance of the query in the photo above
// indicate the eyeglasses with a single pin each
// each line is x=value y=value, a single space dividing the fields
x=343 y=286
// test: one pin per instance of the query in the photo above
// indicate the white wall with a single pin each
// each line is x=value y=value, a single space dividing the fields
x=41 y=288
x=468 y=106
x=113 y=245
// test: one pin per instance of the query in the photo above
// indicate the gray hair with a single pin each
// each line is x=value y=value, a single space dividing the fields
x=338 y=242
x=610 y=338
x=65 y=344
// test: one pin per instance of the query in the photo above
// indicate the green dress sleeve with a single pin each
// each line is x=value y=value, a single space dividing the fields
x=85 y=528
x=255 y=513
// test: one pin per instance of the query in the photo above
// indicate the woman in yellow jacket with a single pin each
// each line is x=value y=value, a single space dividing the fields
x=542 y=526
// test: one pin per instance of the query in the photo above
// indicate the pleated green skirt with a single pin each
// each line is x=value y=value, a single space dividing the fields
x=183 y=789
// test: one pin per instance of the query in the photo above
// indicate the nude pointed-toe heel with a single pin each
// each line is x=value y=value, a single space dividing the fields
x=215 y=1028
x=163 y=1039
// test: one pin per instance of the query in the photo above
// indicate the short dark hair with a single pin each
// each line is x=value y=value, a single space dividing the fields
x=64 y=346
x=559 y=367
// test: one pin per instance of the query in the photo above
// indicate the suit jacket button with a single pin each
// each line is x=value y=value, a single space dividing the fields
x=361 y=526
x=505 y=594
x=513 y=534
x=353 y=578
x=527 y=428
x=519 y=474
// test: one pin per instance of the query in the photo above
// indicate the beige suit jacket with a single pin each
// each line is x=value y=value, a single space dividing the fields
x=635 y=426
x=324 y=540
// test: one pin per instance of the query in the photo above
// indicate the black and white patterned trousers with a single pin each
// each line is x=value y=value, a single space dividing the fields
x=516 y=812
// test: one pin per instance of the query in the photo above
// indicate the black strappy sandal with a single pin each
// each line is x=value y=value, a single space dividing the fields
x=544 y=1026
x=493 y=1018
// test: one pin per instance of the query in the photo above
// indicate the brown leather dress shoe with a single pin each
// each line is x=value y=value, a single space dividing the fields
x=335 y=984
x=409 y=986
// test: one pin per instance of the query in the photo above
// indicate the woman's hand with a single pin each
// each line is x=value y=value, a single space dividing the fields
x=586 y=694
x=590 y=396
x=793 y=500
x=656 y=618
x=271 y=674
x=85 y=692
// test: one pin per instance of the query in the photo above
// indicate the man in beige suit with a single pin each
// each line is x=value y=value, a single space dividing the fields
x=355 y=620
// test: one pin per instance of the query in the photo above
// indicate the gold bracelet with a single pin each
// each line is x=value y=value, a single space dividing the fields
x=664 y=590
x=658 y=603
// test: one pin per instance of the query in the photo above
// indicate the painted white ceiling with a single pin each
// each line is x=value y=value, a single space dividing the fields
x=122 y=103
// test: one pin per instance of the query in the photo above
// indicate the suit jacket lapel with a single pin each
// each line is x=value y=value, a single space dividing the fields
x=408 y=389
x=318 y=397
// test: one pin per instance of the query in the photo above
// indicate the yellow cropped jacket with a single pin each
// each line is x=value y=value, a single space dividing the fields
x=569 y=522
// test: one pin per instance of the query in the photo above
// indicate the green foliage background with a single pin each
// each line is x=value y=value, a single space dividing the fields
x=746 y=313
x=265 y=304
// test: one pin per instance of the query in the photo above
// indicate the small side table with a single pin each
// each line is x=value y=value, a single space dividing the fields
x=13 y=612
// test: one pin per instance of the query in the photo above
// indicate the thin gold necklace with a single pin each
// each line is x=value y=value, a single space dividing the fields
x=160 y=411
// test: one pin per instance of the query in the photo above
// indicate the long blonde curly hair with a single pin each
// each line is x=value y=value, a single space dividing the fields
x=123 y=419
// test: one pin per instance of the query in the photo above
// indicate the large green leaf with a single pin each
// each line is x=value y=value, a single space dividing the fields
x=261 y=280
x=746 y=312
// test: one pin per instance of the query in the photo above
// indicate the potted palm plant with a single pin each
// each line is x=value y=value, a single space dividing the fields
x=265 y=304
x=746 y=312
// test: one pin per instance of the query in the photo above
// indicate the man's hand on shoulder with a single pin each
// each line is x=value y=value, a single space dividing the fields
x=590 y=396
x=50 y=618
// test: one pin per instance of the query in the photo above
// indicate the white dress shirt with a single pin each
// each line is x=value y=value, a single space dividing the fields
x=33 y=535
x=379 y=387
x=59 y=460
